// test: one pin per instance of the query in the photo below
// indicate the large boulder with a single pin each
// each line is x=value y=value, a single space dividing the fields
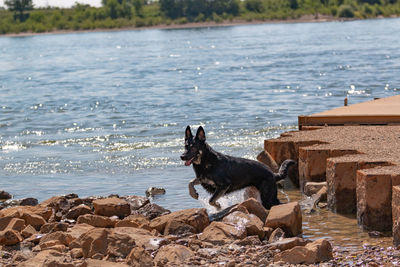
x=77 y=211
x=266 y=158
x=286 y=216
x=10 y=237
x=18 y=211
x=112 y=207
x=222 y=233
x=79 y=229
x=12 y=223
x=254 y=207
x=33 y=219
x=139 y=257
x=318 y=251
x=62 y=238
x=173 y=255
x=189 y=220
x=253 y=225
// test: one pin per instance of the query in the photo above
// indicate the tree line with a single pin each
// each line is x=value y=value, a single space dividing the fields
x=22 y=16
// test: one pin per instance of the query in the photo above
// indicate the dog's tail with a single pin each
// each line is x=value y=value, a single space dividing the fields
x=283 y=170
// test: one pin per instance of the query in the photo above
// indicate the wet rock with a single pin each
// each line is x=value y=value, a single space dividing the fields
x=30 y=201
x=152 y=211
x=5 y=195
x=77 y=211
x=286 y=216
x=10 y=237
x=222 y=233
x=112 y=207
x=96 y=220
x=53 y=227
x=252 y=224
x=318 y=251
x=287 y=243
x=276 y=235
x=172 y=255
x=266 y=158
x=153 y=191
x=136 y=202
x=311 y=188
x=139 y=257
x=254 y=207
x=191 y=220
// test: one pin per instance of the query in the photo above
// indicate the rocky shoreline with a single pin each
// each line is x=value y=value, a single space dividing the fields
x=132 y=231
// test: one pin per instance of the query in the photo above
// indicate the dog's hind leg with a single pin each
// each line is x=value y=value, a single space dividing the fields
x=217 y=194
x=269 y=195
x=192 y=190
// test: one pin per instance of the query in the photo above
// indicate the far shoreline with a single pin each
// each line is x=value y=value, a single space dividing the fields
x=227 y=23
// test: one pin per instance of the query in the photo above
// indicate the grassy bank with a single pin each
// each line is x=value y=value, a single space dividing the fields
x=136 y=13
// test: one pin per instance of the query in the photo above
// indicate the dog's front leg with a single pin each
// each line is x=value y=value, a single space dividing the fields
x=217 y=194
x=192 y=190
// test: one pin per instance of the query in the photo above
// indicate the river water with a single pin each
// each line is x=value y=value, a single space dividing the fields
x=105 y=112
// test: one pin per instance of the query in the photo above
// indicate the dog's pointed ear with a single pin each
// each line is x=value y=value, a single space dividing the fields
x=201 y=135
x=188 y=133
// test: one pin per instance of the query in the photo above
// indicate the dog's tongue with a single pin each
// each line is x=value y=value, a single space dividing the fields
x=188 y=162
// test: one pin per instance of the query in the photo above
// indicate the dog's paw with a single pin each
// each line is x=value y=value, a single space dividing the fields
x=193 y=193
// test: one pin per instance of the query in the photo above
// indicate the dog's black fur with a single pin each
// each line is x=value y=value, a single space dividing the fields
x=221 y=174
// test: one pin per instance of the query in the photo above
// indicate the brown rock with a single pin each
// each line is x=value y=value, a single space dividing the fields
x=287 y=243
x=58 y=203
x=100 y=263
x=318 y=251
x=374 y=197
x=221 y=233
x=252 y=224
x=77 y=211
x=79 y=229
x=254 y=207
x=43 y=258
x=53 y=227
x=112 y=207
x=53 y=244
x=311 y=188
x=266 y=158
x=127 y=223
x=252 y=240
x=276 y=235
x=62 y=237
x=139 y=257
x=10 y=237
x=94 y=242
x=136 y=202
x=152 y=211
x=33 y=219
x=142 y=238
x=11 y=223
x=251 y=192
x=173 y=223
x=5 y=195
x=76 y=253
x=175 y=227
x=96 y=220
x=286 y=216
x=396 y=215
x=28 y=231
x=173 y=254
x=18 y=211
x=23 y=255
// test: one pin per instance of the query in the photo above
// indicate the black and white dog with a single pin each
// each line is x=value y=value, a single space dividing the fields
x=221 y=174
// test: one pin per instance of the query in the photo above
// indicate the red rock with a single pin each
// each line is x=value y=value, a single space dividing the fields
x=11 y=223
x=221 y=233
x=139 y=257
x=318 y=251
x=10 y=237
x=112 y=207
x=79 y=229
x=254 y=207
x=252 y=224
x=33 y=219
x=96 y=220
x=100 y=263
x=286 y=216
x=196 y=219
x=173 y=255
x=28 y=231
x=77 y=211
x=62 y=237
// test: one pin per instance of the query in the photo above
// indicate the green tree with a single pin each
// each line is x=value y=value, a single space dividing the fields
x=19 y=7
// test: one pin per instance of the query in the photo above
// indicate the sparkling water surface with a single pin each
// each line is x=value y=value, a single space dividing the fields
x=105 y=112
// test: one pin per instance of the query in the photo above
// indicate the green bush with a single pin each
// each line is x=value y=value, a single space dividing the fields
x=345 y=11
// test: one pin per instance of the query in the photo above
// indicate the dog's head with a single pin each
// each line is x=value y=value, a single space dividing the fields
x=194 y=146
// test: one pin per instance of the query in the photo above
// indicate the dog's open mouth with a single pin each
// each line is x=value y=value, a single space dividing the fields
x=188 y=162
